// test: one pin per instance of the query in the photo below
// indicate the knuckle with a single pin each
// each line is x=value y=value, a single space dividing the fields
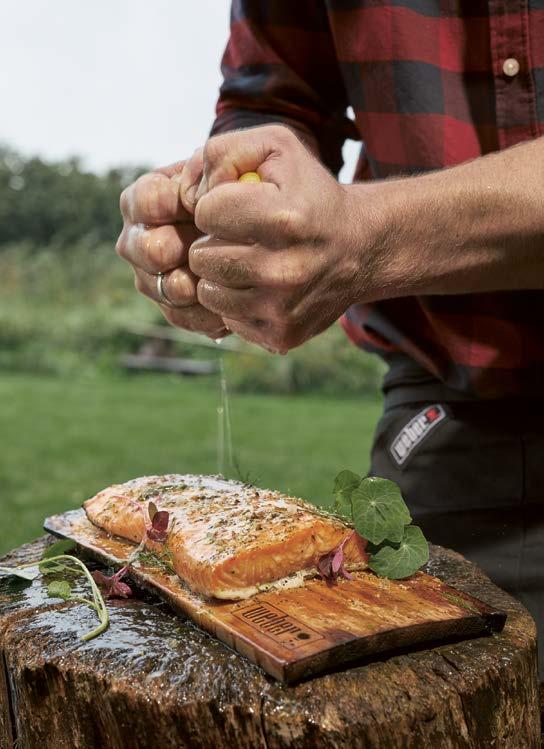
x=285 y=273
x=150 y=198
x=204 y=214
x=181 y=289
x=289 y=225
x=140 y=285
x=151 y=203
x=120 y=245
x=213 y=148
x=238 y=272
x=160 y=248
x=154 y=251
x=124 y=201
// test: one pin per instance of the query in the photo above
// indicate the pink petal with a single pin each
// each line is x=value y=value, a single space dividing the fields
x=160 y=520
x=112 y=586
x=121 y=590
x=100 y=579
x=337 y=560
x=324 y=566
x=155 y=535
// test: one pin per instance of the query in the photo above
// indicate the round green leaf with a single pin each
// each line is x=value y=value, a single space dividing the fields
x=403 y=561
x=59 y=589
x=58 y=548
x=51 y=568
x=344 y=485
x=379 y=511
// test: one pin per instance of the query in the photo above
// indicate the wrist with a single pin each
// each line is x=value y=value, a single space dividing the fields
x=371 y=233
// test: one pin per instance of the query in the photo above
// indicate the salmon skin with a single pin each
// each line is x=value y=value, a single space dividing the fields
x=226 y=539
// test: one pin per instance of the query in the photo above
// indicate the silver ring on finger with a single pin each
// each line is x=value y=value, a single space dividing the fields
x=161 y=293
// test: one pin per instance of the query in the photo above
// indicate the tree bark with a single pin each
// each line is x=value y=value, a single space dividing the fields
x=155 y=680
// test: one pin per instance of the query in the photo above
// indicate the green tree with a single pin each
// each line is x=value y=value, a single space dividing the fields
x=58 y=202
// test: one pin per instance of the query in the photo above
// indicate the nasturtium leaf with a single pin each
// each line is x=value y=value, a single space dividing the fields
x=58 y=548
x=51 y=568
x=344 y=485
x=379 y=511
x=23 y=574
x=59 y=589
x=403 y=560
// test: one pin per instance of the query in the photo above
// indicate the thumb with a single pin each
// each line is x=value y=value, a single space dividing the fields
x=189 y=179
x=226 y=157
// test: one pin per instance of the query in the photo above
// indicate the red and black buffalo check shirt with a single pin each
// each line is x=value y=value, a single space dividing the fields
x=431 y=83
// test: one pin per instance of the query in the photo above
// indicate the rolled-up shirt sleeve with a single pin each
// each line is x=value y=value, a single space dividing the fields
x=280 y=66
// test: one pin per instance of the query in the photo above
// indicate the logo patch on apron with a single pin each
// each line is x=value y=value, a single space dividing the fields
x=415 y=432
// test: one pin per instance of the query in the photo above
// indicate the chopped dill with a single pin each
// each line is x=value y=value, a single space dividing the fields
x=163 y=562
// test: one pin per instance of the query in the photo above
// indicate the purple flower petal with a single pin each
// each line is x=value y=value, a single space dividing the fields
x=120 y=590
x=112 y=586
x=159 y=526
x=160 y=520
x=337 y=560
x=331 y=566
x=324 y=566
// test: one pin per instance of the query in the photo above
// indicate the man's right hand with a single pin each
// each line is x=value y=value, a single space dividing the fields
x=157 y=234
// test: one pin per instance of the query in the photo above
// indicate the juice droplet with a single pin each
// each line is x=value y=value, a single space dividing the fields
x=224 y=431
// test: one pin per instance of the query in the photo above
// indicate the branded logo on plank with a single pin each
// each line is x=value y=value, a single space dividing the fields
x=275 y=623
x=415 y=431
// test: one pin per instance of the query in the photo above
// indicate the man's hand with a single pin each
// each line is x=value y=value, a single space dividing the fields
x=279 y=265
x=156 y=237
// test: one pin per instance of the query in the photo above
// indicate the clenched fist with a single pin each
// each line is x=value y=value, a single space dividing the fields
x=157 y=234
x=277 y=261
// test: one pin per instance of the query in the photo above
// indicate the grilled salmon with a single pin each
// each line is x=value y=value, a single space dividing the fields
x=226 y=539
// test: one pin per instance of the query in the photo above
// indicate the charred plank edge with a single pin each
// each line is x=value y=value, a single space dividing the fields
x=409 y=639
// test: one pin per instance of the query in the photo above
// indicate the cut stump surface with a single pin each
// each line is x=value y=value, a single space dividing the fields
x=155 y=680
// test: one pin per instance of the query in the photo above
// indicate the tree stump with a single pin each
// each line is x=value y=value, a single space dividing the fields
x=155 y=680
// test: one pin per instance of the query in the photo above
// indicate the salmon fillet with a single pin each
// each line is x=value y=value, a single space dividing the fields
x=226 y=539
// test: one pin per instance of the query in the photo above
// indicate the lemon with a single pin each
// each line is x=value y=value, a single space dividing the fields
x=249 y=177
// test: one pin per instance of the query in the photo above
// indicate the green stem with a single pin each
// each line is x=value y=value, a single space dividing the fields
x=86 y=601
x=99 y=604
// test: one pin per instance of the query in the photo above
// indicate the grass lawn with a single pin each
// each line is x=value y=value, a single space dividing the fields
x=61 y=440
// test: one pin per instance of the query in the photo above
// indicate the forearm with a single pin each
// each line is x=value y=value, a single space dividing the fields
x=472 y=228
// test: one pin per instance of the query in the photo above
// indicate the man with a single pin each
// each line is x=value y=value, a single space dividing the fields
x=439 y=270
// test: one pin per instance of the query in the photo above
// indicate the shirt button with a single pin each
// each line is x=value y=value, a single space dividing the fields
x=510 y=67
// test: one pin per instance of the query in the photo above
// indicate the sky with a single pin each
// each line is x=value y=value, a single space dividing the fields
x=116 y=82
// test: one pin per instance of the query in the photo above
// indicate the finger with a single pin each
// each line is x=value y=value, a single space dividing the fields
x=154 y=199
x=190 y=178
x=196 y=319
x=229 y=155
x=260 y=333
x=246 y=212
x=157 y=249
x=172 y=170
x=179 y=286
x=242 y=266
x=243 y=305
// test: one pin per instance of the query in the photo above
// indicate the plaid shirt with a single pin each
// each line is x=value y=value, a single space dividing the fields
x=430 y=86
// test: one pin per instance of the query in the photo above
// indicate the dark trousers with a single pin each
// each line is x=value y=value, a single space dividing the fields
x=473 y=477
